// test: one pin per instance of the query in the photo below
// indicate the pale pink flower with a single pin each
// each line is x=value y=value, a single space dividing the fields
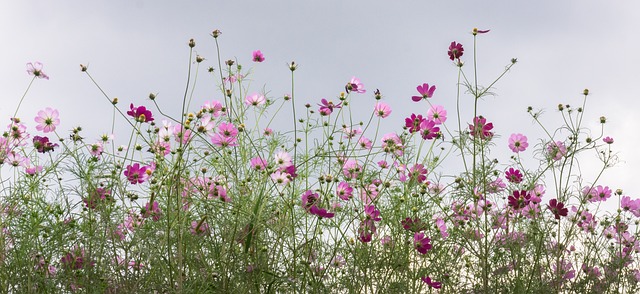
x=254 y=99
x=382 y=110
x=47 y=120
x=518 y=143
x=355 y=85
x=437 y=114
x=35 y=69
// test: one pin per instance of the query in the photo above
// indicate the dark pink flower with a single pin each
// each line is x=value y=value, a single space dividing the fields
x=372 y=213
x=513 y=175
x=418 y=173
x=421 y=243
x=321 y=212
x=557 y=208
x=136 y=174
x=415 y=225
x=608 y=140
x=455 y=51
x=47 y=120
x=428 y=129
x=140 y=113
x=518 y=143
x=425 y=92
x=481 y=129
x=42 y=144
x=35 y=69
x=632 y=206
x=309 y=199
x=432 y=284
x=519 y=199
x=414 y=122
x=366 y=230
x=258 y=56
x=152 y=210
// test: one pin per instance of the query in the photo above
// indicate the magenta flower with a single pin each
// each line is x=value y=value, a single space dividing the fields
x=199 y=228
x=425 y=92
x=47 y=120
x=455 y=51
x=226 y=135
x=437 y=114
x=344 y=191
x=557 y=208
x=309 y=199
x=152 y=210
x=42 y=144
x=421 y=243
x=258 y=56
x=136 y=174
x=382 y=110
x=327 y=107
x=608 y=140
x=432 y=284
x=371 y=213
x=428 y=129
x=513 y=175
x=140 y=113
x=418 y=173
x=556 y=150
x=519 y=199
x=366 y=230
x=321 y=212
x=518 y=143
x=414 y=122
x=355 y=86
x=35 y=69
x=415 y=225
x=481 y=129
x=254 y=99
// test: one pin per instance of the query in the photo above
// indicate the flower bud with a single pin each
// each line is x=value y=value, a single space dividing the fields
x=603 y=119
x=192 y=43
x=199 y=58
x=229 y=62
x=585 y=92
x=83 y=67
x=114 y=101
x=293 y=66
x=216 y=33
x=152 y=96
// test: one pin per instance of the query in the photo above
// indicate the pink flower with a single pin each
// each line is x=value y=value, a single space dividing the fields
x=421 y=243
x=455 y=51
x=327 y=107
x=355 y=85
x=437 y=114
x=432 y=284
x=425 y=92
x=481 y=129
x=140 y=113
x=344 y=191
x=418 y=173
x=365 y=143
x=413 y=224
x=519 y=199
x=254 y=99
x=136 y=174
x=321 y=212
x=258 y=56
x=351 y=169
x=391 y=143
x=598 y=193
x=630 y=205
x=414 y=122
x=371 y=213
x=283 y=159
x=199 y=228
x=442 y=226
x=428 y=129
x=42 y=144
x=518 y=143
x=608 y=140
x=258 y=163
x=557 y=208
x=513 y=175
x=35 y=69
x=47 y=120
x=152 y=210
x=556 y=150
x=382 y=110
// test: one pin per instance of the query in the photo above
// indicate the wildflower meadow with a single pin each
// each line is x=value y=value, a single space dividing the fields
x=255 y=192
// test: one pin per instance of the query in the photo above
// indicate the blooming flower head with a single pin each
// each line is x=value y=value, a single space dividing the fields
x=556 y=150
x=258 y=163
x=382 y=110
x=140 y=113
x=421 y=243
x=258 y=56
x=437 y=114
x=372 y=213
x=199 y=228
x=391 y=143
x=152 y=210
x=481 y=129
x=42 y=144
x=598 y=193
x=455 y=51
x=557 y=208
x=413 y=123
x=254 y=99
x=413 y=224
x=632 y=206
x=425 y=92
x=35 y=69
x=47 y=120
x=351 y=169
x=136 y=174
x=344 y=191
x=608 y=140
x=428 y=130
x=355 y=86
x=418 y=173
x=519 y=199
x=513 y=175
x=518 y=143
x=326 y=107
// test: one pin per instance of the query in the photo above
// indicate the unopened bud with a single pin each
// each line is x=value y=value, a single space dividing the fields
x=152 y=96
x=229 y=62
x=114 y=101
x=83 y=67
x=293 y=66
x=377 y=94
x=603 y=119
x=585 y=92
x=199 y=58
x=216 y=33
x=192 y=43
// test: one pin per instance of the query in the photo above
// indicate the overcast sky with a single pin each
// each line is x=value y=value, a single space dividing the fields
x=136 y=47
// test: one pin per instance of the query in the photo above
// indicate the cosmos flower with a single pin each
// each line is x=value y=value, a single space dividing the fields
x=425 y=92
x=47 y=120
x=455 y=51
x=258 y=56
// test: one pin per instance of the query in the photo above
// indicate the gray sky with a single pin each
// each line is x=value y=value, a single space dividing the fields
x=137 y=47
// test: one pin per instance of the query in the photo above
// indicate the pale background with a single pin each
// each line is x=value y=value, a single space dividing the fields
x=137 y=47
